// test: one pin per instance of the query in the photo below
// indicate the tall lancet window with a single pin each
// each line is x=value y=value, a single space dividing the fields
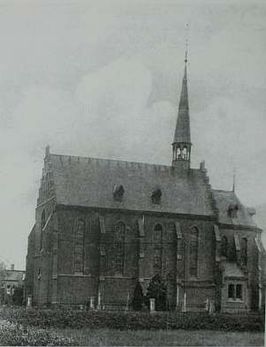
x=193 y=252
x=79 y=247
x=157 y=248
x=119 y=240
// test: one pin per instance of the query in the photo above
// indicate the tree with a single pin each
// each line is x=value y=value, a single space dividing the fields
x=157 y=290
x=138 y=298
x=2 y=278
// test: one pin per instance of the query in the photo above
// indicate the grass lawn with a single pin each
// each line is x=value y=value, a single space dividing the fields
x=20 y=327
x=111 y=337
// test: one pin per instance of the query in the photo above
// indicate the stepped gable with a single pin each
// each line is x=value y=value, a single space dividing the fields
x=89 y=182
x=226 y=200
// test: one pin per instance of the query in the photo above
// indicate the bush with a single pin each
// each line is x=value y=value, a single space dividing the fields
x=138 y=298
x=63 y=318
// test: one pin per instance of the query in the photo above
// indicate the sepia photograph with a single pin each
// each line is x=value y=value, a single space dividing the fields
x=133 y=172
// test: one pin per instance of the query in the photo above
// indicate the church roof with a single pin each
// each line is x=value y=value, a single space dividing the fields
x=226 y=201
x=90 y=182
x=182 y=131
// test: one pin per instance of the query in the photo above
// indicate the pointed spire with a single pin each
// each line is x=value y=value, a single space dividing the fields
x=182 y=142
x=182 y=131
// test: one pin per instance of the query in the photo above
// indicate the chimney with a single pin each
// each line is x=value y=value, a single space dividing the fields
x=12 y=267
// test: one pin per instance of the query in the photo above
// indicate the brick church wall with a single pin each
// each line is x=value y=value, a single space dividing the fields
x=99 y=275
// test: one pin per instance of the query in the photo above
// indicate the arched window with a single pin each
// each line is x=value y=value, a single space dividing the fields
x=43 y=221
x=244 y=251
x=193 y=252
x=157 y=248
x=119 y=247
x=224 y=247
x=79 y=246
x=157 y=234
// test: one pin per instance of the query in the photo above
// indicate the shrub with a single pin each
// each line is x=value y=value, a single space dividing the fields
x=66 y=318
x=138 y=298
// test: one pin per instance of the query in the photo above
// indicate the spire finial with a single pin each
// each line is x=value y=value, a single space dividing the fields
x=186 y=52
x=234 y=180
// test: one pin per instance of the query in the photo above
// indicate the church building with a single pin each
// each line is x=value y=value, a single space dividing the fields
x=104 y=227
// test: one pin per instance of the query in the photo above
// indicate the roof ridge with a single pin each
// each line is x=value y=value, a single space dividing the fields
x=109 y=160
x=117 y=161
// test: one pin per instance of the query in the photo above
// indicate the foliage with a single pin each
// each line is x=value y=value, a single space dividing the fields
x=138 y=298
x=157 y=290
x=2 y=277
x=69 y=318
x=2 y=271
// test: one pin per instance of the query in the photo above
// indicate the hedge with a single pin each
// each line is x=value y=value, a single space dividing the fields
x=67 y=318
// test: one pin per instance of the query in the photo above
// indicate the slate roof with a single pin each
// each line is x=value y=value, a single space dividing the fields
x=90 y=182
x=182 y=131
x=225 y=199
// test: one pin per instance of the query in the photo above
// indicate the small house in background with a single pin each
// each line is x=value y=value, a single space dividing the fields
x=12 y=286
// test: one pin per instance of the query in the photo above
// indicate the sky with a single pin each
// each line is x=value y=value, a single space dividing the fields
x=103 y=78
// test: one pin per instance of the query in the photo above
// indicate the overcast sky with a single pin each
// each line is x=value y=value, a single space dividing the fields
x=103 y=79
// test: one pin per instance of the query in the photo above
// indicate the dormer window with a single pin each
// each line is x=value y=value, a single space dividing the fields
x=118 y=192
x=156 y=196
x=232 y=211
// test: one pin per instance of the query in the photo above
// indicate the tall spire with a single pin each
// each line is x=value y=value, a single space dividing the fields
x=182 y=142
x=182 y=130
